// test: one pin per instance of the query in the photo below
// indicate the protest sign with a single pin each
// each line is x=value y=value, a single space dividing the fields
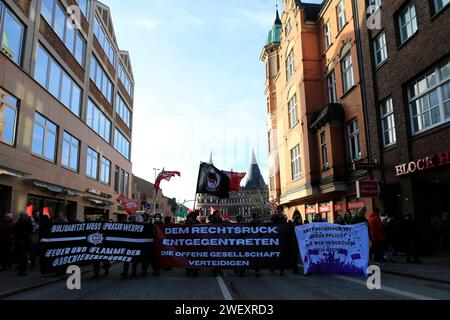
x=262 y=246
x=334 y=249
x=62 y=245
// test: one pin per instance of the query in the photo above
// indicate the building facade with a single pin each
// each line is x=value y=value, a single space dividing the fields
x=251 y=199
x=143 y=193
x=406 y=63
x=317 y=128
x=66 y=109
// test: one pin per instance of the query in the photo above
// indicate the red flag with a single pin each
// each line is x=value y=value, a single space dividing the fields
x=128 y=205
x=165 y=175
x=235 y=180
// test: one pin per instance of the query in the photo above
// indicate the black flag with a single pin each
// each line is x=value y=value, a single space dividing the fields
x=212 y=181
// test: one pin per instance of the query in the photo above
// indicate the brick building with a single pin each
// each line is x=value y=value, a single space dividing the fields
x=317 y=129
x=143 y=193
x=65 y=109
x=406 y=65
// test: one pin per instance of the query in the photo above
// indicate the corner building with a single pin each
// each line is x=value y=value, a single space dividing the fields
x=317 y=128
x=407 y=75
x=65 y=110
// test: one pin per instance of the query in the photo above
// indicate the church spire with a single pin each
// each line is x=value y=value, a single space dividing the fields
x=277 y=18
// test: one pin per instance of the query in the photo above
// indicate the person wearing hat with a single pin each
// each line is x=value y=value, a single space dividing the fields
x=6 y=241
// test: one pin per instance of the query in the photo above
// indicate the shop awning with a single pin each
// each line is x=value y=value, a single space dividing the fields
x=56 y=189
x=100 y=203
x=11 y=172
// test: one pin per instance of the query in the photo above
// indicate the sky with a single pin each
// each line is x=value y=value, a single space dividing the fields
x=199 y=85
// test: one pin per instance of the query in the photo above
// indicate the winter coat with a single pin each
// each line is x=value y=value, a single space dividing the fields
x=376 y=227
x=6 y=232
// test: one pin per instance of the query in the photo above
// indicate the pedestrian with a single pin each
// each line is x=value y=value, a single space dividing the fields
x=348 y=218
x=411 y=234
x=23 y=229
x=297 y=221
x=377 y=235
x=339 y=220
x=6 y=241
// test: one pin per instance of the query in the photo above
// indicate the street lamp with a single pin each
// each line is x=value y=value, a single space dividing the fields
x=156 y=172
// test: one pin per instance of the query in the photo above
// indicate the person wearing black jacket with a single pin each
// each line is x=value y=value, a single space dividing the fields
x=411 y=234
x=297 y=221
x=23 y=229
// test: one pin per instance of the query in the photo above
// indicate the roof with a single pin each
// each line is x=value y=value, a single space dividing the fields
x=255 y=179
x=311 y=10
x=274 y=36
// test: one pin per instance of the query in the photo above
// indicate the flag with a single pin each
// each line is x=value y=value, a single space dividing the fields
x=128 y=205
x=235 y=180
x=165 y=175
x=213 y=181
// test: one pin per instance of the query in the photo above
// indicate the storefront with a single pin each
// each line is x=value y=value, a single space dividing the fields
x=52 y=207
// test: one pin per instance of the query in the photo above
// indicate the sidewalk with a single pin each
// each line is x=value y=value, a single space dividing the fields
x=11 y=284
x=436 y=269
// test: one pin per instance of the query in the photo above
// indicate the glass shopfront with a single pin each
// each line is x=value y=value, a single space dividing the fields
x=53 y=207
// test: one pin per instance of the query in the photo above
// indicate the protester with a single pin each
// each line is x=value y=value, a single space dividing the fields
x=156 y=267
x=377 y=235
x=411 y=235
x=23 y=229
x=106 y=264
x=34 y=240
x=317 y=218
x=167 y=220
x=297 y=221
x=306 y=222
x=339 y=220
x=348 y=218
x=279 y=218
x=191 y=220
x=255 y=222
x=360 y=217
x=6 y=241
x=389 y=235
x=241 y=272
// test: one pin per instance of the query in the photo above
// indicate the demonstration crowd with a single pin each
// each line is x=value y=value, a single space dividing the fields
x=19 y=241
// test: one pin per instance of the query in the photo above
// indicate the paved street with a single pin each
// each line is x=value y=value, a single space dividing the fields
x=175 y=285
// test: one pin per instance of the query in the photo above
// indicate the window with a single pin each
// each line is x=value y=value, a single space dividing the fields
x=92 y=164
x=324 y=148
x=12 y=34
x=440 y=4
x=353 y=140
x=121 y=177
x=293 y=115
x=101 y=80
x=327 y=33
x=98 y=122
x=70 y=152
x=429 y=99
x=127 y=184
x=8 y=117
x=288 y=27
x=121 y=144
x=347 y=73
x=105 y=171
x=290 y=66
x=341 y=18
x=295 y=163
x=388 y=123
x=53 y=78
x=84 y=6
x=44 y=138
x=331 y=82
x=56 y=17
x=104 y=42
x=380 y=48
x=116 y=179
x=123 y=111
x=407 y=22
x=125 y=80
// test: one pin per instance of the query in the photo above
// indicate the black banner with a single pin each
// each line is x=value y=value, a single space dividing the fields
x=225 y=246
x=62 y=245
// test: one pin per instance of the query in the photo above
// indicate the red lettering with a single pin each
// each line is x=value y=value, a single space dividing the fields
x=429 y=163
x=444 y=158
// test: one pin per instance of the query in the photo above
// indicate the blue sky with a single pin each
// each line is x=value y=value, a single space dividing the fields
x=199 y=84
